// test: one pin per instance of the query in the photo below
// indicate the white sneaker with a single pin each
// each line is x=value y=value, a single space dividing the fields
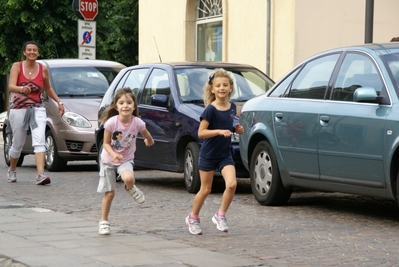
x=12 y=176
x=137 y=195
x=193 y=226
x=104 y=228
x=221 y=222
x=42 y=179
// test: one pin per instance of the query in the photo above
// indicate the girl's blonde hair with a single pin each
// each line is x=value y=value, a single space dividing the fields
x=111 y=111
x=209 y=97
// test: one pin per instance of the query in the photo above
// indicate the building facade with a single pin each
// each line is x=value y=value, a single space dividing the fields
x=273 y=35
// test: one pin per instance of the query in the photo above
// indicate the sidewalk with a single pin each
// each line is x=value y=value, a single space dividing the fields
x=32 y=236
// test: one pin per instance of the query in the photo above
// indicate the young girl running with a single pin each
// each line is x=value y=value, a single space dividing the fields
x=121 y=126
x=216 y=127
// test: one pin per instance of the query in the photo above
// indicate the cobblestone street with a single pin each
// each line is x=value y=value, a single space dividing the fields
x=313 y=229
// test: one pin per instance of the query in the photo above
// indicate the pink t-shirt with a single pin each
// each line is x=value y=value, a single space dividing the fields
x=123 y=138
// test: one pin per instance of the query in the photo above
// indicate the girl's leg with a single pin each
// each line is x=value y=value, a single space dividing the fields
x=205 y=189
x=106 y=204
x=229 y=175
x=128 y=179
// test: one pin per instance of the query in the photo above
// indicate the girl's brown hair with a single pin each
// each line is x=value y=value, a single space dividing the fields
x=111 y=111
x=209 y=97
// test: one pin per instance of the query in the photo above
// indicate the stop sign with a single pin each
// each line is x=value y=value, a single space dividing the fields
x=88 y=9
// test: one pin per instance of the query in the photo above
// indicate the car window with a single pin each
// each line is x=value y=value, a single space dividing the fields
x=134 y=79
x=282 y=86
x=191 y=83
x=157 y=83
x=82 y=81
x=356 y=71
x=392 y=63
x=313 y=78
x=248 y=83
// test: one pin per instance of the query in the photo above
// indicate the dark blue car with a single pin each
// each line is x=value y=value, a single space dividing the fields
x=169 y=97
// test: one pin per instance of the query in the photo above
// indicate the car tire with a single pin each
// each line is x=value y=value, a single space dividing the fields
x=6 y=148
x=191 y=174
x=266 y=184
x=52 y=160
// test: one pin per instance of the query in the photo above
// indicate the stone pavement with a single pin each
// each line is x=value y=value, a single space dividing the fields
x=31 y=236
x=41 y=224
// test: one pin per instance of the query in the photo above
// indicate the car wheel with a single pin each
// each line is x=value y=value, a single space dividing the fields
x=7 y=147
x=53 y=161
x=266 y=183
x=191 y=174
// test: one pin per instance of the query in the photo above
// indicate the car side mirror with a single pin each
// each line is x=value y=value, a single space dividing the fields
x=366 y=94
x=159 y=100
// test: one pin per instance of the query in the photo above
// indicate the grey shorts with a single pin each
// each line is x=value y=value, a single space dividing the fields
x=108 y=175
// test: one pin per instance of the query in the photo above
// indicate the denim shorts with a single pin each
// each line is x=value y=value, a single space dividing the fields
x=214 y=164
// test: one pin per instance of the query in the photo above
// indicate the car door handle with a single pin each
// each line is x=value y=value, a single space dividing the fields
x=324 y=119
x=278 y=116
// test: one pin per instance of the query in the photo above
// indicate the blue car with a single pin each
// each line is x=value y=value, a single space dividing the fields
x=169 y=97
x=330 y=124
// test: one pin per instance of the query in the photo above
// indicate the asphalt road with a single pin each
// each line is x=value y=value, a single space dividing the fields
x=313 y=229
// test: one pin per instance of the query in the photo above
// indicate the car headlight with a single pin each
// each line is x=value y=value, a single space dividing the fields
x=75 y=120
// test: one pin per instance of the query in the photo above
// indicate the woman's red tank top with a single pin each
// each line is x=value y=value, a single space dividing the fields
x=35 y=98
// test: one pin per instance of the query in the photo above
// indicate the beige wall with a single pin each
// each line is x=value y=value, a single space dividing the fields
x=163 y=22
x=321 y=25
x=245 y=38
x=299 y=29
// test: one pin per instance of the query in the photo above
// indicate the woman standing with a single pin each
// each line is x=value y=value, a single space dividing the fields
x=28 y=79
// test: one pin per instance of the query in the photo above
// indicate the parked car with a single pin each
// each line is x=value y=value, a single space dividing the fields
x=331 y=124
x=169 y=97
x=80 y=84
x=3 y=116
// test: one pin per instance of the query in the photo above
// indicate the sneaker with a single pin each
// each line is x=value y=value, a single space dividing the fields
x=12 y=176
x=137 y=195
x=42 y=179
x=221 y=223
x=193 y=226
x=103 y=228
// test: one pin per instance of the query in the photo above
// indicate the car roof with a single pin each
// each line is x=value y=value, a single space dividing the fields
x=185 y=64
x=379 y=48
x=63 y=62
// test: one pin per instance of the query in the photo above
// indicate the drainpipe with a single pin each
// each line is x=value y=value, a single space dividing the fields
x=268 y=12
x=368 y=33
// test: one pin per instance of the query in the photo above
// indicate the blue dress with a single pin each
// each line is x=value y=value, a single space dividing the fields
x=218 y=147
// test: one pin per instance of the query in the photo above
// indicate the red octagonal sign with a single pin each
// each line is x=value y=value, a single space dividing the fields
x=88 y=9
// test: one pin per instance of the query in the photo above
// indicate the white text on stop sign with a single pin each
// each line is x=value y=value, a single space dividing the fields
x=86 y=6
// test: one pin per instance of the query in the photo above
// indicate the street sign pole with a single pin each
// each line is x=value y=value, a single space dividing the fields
x=87 y=10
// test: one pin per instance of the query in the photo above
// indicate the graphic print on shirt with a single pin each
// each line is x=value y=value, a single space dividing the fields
x=117 y=139
x=35 y=96
x=128 y=140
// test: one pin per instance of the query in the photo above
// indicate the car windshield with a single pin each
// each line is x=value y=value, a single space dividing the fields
x=248 y=83
x=82 y=81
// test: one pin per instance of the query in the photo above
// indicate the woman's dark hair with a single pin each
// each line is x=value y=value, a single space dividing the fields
x=28 y=43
